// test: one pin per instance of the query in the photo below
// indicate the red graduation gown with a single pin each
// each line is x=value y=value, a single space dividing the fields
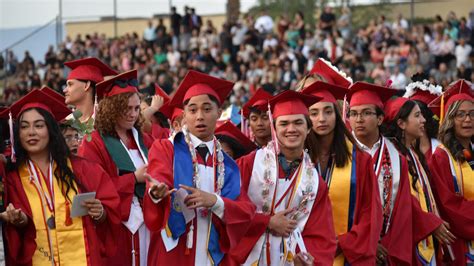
x=237 y=214
x=96 y=151
x=399 y=238
x=456 y=210
x=100 y=238
x=318 y=234
x=158 y=132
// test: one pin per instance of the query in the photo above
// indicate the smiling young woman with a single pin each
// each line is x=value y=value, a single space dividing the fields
x=452 y=163
x=41 y=185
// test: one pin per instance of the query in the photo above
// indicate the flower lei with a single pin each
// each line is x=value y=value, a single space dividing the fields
x=424 y=85
x=337 y=70
x=220 y=162
x=308 y=193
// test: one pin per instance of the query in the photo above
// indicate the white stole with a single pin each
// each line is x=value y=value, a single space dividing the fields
x=309 y=181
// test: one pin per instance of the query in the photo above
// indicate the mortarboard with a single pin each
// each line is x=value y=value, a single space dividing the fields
x=89 y=69
x=122 y=83
x=361 y=93
x=259 y=100
x=196 y=83
x=326 y=91
x=291 y=102
x=392 y=107
x=457 y=91
x=230 y=130
x=330 y=73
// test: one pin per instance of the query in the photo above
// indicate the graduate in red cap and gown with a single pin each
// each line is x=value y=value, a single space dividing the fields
x=352 y=189
x=233 y=141
x=423 y=92
x=80 y=85
x=41 y=185
x=452 y=167
x=255 y=112
x=194 y=206
x=391 y=170
x=151 y=105
x=293 y=219
x=121 y=148
x=404 y=126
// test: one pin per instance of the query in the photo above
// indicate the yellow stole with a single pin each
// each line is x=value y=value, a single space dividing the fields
x=67 y=241
x=425 y=247
x=339 y=193
x=465 y=183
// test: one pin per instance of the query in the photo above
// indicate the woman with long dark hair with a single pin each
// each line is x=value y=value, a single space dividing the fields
x=121 y=148
x=452 y=165
x=40 y=188
x=332 y=149
x=404 y=125
x=423 y=92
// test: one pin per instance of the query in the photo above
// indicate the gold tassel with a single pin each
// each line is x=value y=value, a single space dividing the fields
x=441 y=117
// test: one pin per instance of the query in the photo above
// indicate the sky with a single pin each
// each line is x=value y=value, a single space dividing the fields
x=27 y=13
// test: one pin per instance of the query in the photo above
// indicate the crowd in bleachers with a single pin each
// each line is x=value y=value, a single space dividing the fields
x=261 y=51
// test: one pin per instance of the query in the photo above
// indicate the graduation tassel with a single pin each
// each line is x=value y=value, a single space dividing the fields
x=441 y=116
x=273 y=132
x=68 y=220
x=189 y=240
x=96 y=106
x=12 y=137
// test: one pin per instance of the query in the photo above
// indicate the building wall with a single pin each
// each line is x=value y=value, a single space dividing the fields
x=127 y=25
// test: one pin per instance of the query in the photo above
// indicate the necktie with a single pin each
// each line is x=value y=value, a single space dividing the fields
x=203 y=151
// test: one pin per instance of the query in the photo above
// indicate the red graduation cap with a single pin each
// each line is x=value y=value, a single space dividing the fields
x=53 y=94
x=89 y=69
x=39 y=99
x=259 y=101
x=230 y=130
x=392 y=107
x=122 y=83
x=291 y=102
x=326 y=91
x=330 y=73
x=460 y=90
x=159 y=91
x=170 y=112
x=196 y=83
x=423 y=96
x=366 y=93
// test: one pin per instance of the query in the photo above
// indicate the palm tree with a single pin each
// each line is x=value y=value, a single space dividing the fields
x=233 y=10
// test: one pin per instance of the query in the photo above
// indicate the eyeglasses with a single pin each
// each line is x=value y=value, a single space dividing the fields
x=364 y=114
x=461 y=115
x=73 y=138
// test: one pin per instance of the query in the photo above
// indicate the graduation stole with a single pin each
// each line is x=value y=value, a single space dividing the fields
x=182 y=174
x=121 y=156
x=387 y=168
x=60 y=240
x=264 y=192
x=342 y=184
x=463 y=180
x=425 y=249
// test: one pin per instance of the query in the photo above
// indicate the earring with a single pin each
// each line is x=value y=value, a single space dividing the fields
x=403 y=134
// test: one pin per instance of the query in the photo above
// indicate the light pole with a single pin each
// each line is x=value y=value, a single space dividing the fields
x=115 y=19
